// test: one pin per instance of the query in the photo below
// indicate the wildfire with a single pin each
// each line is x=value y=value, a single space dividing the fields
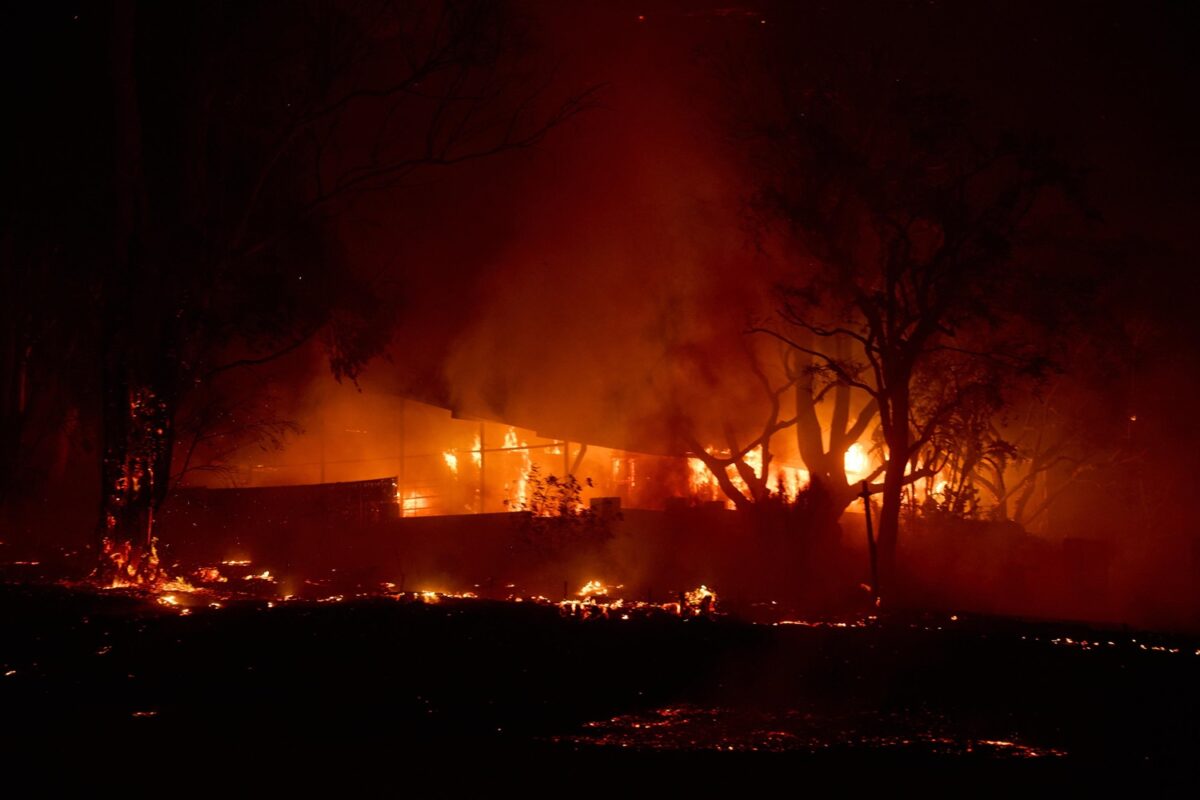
x=415 y=505
x=210 y=575
x=594 y=588
x=265 y=575
x=512 y=443
x=701 y=599
x=703 y=483
x=856 y=462
x=598 y=600
x=177 y=585
x=131 y=567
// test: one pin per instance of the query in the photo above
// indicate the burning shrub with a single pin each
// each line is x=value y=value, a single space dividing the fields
x=555 y=516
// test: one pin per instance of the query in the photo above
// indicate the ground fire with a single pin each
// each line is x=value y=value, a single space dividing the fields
x=502 y=376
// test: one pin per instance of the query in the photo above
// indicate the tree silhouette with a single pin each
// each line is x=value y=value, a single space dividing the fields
x=901 y=214
x=242 y=131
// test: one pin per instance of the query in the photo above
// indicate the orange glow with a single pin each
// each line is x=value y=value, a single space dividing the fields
x=519 y=496
x=210 y=575
x=265 y=575
x=701 y=599
x=856 y=462
x=703 y=484
x=593 y=589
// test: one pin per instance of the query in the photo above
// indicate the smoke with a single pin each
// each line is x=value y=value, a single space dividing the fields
x=598 y=286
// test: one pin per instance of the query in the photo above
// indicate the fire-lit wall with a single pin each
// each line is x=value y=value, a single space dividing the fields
x=446 y=465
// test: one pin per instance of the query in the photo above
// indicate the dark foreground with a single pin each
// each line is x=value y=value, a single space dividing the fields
x=503 y=676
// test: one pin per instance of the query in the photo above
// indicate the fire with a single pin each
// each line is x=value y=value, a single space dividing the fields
x=513 y=444
x=477 y=451
x=510 y=438
x=433 y=598
x=414 y=505
x=265 y=575
x=451 y=461
x=598 y=600
x=594 y=588
x=131 y=569
x=210 y=575
x=177 y=585
x=856 y=462
x=703 y=484
x=701 y=599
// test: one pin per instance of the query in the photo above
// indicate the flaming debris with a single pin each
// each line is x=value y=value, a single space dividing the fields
x=593 y=589
x=265 y=575
x=210 y=575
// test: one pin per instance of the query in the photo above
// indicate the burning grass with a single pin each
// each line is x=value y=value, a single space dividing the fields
x=454 y=667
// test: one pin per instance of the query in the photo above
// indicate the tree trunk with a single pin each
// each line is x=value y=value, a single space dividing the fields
x=896 y=435
x=135 y=472
x=826 y=467
x=136 y=422
x=889 y=523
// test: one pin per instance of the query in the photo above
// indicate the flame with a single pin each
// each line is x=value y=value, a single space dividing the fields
x=701 y=598
x=510 y=438
x=703 y=484
x=856 y=462
x=265 y=575
x=132 y=568
x=512 y=443
x=594 y=588
x=210 y=575
x=477 y=451
x=414 y=505
x=451 y=461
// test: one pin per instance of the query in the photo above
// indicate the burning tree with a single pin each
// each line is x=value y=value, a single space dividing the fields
x=750 y=461
x=826 y=463
x=241 y=133
x=901 y=213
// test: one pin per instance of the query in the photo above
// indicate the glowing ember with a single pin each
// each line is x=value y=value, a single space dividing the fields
x=210 y=575
x=131 y=567
x=701 y=599
x=265 y=575
x=177 y=585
